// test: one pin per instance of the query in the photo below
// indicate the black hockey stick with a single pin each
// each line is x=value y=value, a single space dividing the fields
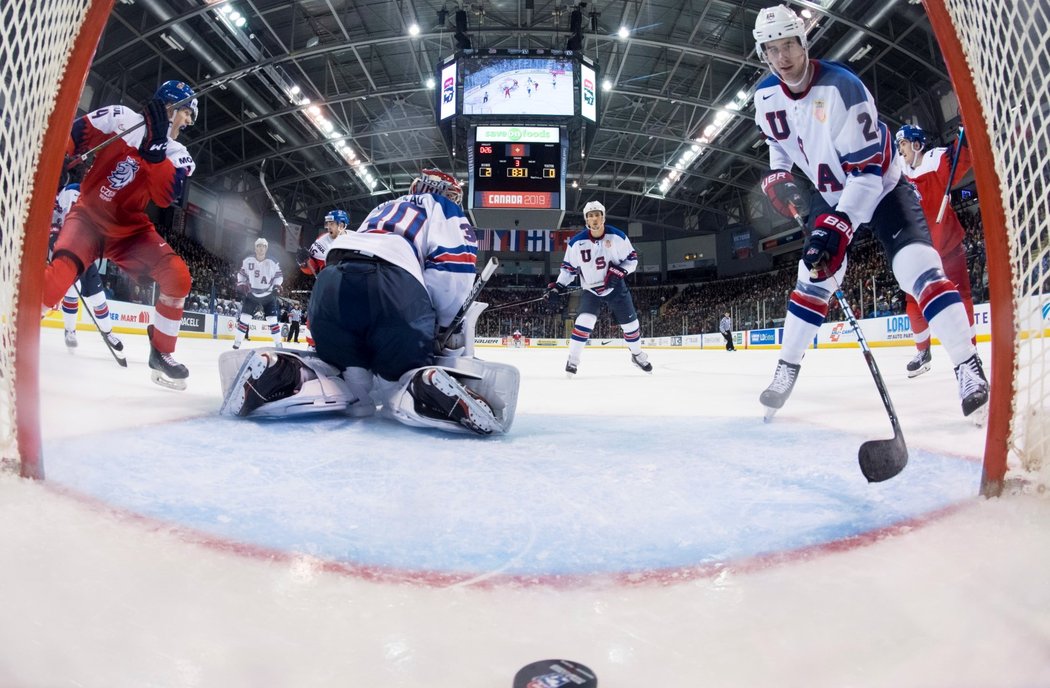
x=879 y=459
x=523 y=302
x=951 y=175
x=218 y=82
x=486 y=273
x=120 y=358
x=273 y=201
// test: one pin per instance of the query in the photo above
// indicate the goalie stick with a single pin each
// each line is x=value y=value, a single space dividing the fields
x=879 y=459
x=122 y=361
x=486 y=273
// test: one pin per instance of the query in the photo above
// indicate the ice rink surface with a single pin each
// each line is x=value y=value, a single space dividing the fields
x=651 y=527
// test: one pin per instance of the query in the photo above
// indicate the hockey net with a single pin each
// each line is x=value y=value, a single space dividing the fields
x=46 y=48
x=999 y=60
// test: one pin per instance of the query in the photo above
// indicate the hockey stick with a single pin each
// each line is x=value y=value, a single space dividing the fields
x=217 y=83
x=512 y=304
x=486 y=273
x=951 y=175
x=273 y=202
x=879 y=459
x=122 y=361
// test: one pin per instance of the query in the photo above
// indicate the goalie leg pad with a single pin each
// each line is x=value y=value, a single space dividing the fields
x=268 y=383
x=432 y=397
x=497 y=383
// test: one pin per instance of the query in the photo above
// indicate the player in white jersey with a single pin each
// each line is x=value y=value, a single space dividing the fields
x=387 y=297
x=311 y=261
x=818 y=116
x=258 y=281
x=601 y=256
x=89 y=283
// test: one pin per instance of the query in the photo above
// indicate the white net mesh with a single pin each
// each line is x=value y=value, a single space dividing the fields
x=1009 y=57
x=36 y=40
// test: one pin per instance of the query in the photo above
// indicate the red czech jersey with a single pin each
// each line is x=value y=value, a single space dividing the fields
x=930 y=178
x=119 y=185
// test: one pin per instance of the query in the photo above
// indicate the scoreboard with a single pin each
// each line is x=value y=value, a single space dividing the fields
x=517 y=173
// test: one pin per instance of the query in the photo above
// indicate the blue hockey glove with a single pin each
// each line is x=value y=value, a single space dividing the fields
x=555 y=289
x=783 y=193
x=154 y=146
x=825 y=248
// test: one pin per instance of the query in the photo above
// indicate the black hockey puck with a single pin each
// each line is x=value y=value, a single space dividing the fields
x=555 y=673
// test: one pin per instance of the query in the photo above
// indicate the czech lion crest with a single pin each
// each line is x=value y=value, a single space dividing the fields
x=123 y=174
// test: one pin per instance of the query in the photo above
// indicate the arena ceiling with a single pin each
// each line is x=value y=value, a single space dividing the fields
x=682 y=64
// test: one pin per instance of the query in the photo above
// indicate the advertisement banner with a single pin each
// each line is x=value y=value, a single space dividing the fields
x=193 y=322
x=762 y=339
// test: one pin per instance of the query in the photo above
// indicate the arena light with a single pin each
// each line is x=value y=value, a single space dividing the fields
x=624 y=32
x=431 y=83
x=413 y=29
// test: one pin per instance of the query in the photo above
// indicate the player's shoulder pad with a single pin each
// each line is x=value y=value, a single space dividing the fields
x=449 y=208
x=616 y=232
x=844 y=80
x=582 y=235
x=770 y=81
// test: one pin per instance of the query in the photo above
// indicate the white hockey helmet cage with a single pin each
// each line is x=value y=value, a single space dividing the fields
x=592 y=206
x=261 y=242
x=437 y=182
x=778 y=22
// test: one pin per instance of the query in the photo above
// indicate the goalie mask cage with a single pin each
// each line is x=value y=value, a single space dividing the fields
x=996 y=54
x=46 y=48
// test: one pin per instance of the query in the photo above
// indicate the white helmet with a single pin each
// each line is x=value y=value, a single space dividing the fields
x=778 y=22
x=261 y=242
x=592 y=206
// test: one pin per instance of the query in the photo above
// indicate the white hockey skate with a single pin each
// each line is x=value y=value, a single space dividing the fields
x=570 y=369
x=920 y=364
x=641 y=360
x=438 y=395
x=71 y=339
x=774 y=396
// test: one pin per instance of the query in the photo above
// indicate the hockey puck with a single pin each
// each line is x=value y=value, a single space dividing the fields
x=555 y=673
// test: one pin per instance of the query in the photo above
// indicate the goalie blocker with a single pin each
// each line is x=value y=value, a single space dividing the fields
x=457 y=394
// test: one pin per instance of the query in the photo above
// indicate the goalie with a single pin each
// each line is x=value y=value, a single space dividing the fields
x=389 y=292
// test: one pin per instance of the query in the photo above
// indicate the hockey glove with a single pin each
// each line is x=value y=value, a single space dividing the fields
x=302 y=257
x=555 y=289
x=783 y=193
x=825 y=248
x=154 y=146
x=615 y=272
x=455 y=345
x=243 y=289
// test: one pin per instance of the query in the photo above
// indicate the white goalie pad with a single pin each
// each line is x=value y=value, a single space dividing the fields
x=322 y=389
x=496 y=383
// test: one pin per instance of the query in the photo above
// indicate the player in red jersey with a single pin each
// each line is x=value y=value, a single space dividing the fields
x=928 y=171
x=109 y=221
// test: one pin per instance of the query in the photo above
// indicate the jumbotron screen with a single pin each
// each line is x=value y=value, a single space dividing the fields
x=516 y=167
x=518 y=85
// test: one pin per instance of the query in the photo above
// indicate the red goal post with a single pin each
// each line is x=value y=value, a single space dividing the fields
x=45 y=55
x=997 y=56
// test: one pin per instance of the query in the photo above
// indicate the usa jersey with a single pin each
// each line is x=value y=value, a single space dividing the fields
x=261 y=276
x=430 y=238
x=832 y=133
x=591 y=258
x=119 y=185
x=930 y=178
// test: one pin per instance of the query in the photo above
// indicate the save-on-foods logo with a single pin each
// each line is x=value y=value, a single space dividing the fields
x=588 y=91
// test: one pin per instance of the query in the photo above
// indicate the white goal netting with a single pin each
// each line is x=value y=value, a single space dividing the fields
x=36 y=41
x=1008 y=56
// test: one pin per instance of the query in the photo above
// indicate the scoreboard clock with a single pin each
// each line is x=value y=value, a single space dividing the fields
x=517 y=176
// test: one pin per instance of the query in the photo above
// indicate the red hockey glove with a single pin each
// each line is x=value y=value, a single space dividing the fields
x=154 y=146
x=783 y=192
x=615 y=272
x=243 y=289
x=825 y=248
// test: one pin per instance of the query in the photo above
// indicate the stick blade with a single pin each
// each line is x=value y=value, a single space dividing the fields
x=553 y=673
x=883 y=459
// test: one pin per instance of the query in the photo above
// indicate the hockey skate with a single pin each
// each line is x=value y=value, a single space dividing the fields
x=779 y=390
x=113 y=341
x=641 y=360
x=236 y=344
x=438 y=395
x=920 y=364
x=570 y=369
x=166 y=371
x=71 y=339
x=263 y=377
x=973 y=389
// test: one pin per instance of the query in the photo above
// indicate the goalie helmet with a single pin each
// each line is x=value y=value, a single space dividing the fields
x=338 y=216
x=437 y=182
x=913 y=133
x=171 y=92
x=778 y=22
x=593 y=206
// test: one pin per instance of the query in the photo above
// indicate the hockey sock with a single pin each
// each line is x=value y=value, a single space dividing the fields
x=917 y=268
x=632 y=335
x=275 y=329
x=98 y=305
x=581 y=332
x=807 y=310
x=70 y=306
x=242 y=329
x=166 y=326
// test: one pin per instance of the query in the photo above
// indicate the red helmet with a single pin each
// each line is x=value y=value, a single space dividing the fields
x=437 y=182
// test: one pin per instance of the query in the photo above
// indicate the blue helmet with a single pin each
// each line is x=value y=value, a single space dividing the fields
x=913 y=133
x=338 y=216
x=171 y=92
